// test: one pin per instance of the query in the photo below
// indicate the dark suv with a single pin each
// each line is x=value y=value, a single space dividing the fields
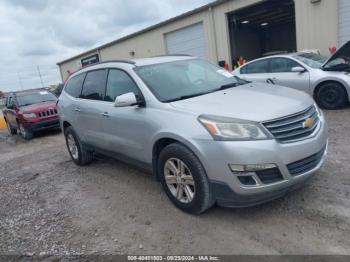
x=30 y=111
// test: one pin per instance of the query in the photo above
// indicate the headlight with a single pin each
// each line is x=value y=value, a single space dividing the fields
x=30 y=115
x=223 y=128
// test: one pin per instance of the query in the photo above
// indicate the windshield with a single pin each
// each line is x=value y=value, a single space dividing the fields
x=311 y=59
x=186 y=78
x=35 y=98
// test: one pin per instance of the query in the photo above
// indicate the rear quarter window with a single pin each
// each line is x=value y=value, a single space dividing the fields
x=74 y=85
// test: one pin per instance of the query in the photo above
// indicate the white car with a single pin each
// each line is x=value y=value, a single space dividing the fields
x=327 y=80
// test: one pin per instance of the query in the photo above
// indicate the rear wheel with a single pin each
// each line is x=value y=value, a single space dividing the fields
x=184 y=179
x=79 y=154
x=25 y=133
x=331 y=96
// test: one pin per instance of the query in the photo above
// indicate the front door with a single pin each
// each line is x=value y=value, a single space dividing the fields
x=281 y=74
x=125 y=128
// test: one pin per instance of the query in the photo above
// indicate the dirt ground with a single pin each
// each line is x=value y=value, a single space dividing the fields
x=51 y=206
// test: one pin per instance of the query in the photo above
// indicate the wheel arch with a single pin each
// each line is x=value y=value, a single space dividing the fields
x=325 y=81
x=164 y=140
x=65 y=125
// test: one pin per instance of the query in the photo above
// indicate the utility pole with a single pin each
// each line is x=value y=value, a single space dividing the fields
x=20 y=80
x=41 y=80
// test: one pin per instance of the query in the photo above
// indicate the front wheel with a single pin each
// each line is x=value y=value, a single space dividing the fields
x=331 y=96
x=12 y=131
x=25 y=133
x=184 y=179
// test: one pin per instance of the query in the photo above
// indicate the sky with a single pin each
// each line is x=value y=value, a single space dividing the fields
x=36 y=34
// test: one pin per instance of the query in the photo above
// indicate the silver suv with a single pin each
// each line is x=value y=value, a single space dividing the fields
x=208 y=136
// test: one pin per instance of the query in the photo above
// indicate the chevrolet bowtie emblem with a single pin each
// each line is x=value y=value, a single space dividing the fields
x=308 y=123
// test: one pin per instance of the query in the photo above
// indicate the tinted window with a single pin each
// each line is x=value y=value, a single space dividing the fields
x=279 y=65
x=258 y=67
x=94 y=85
x=9 y=101
x=74 y=85
x=119 y=83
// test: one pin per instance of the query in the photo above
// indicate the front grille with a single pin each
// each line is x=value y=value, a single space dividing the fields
x=291 y=128
x=50 y=112
x=306 y=164
x=268 y=176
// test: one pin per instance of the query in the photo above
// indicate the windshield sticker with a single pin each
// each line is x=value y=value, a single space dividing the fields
x=224 y=73
x=43 y=93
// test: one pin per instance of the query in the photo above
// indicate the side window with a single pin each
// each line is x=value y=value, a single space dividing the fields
x=258 y=67
x=119 y=83
x=94 y=85
x=9 y=101
x=282 y=65
x=74 y=85
x=243 y=70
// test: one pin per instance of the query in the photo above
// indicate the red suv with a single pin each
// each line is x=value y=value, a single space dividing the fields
x=30 y=111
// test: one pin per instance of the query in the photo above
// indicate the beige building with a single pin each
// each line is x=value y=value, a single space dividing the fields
x=228 y=29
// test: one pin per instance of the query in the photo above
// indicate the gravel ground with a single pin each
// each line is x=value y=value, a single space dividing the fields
x=51 y=206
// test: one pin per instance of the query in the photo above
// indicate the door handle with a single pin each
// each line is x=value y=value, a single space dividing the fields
x=105 y=114
x=77 y=109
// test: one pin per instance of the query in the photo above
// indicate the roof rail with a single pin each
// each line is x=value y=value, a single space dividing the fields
x=117 y=61
x=107 y=61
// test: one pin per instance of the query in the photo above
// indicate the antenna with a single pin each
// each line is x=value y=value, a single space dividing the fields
x=41 y=80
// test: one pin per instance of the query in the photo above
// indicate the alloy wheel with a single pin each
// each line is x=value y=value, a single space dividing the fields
x=179 y=180
x=72 y=146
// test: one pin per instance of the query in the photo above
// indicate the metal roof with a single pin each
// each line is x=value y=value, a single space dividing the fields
x=147 y=29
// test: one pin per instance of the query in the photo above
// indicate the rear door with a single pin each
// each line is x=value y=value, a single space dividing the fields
x=255 y=71
x=90 y=108
x=281 y=74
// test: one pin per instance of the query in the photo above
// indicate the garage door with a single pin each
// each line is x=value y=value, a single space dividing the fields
x=189 y=40
x=344 y=21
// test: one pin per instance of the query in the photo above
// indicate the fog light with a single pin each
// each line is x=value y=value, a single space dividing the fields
x=250 y=168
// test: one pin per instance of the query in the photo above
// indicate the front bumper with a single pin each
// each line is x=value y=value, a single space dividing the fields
x=42 y=125
x=228 y=189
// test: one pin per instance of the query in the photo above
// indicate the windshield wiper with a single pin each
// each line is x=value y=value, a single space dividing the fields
x=227 y=86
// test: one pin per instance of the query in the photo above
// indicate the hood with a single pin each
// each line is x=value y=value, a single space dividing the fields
x=36 y=108
x=342 y=53
x=255 y=102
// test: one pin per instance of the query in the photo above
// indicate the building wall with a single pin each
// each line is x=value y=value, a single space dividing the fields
x=316 y=24
x=316 y=27
x=152 y=43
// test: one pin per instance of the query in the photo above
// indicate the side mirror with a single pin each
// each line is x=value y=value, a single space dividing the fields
x=298 y=69
x=128 y=99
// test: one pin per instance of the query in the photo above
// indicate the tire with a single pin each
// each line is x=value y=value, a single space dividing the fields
x=203 y=197
x=25 y=133
x=331 y=95
x=12 y=131
x=81 y=156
